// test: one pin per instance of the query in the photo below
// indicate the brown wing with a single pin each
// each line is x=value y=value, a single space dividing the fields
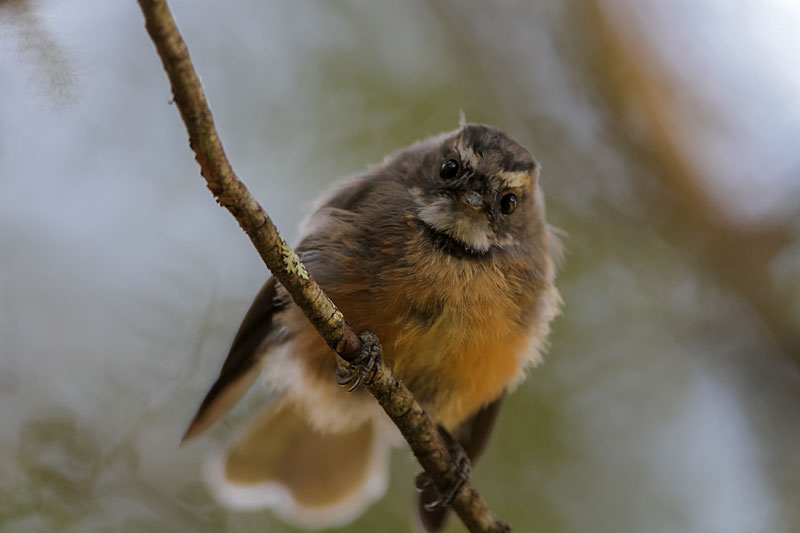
x=473 y=435
x=242 y=364
x=316 y=250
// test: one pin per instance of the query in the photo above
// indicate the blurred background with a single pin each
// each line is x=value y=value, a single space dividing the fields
x=668 y=133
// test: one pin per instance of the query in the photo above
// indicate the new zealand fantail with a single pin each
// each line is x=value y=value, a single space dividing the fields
x=443 y=251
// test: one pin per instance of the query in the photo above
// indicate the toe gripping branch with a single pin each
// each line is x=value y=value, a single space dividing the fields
x=363 y=368
x=457 y=477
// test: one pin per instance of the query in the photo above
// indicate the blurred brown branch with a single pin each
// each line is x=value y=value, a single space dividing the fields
x=398 y=402
x=738 y=253
x=52 y=67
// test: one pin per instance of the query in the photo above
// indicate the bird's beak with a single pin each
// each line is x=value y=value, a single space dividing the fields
x=472 y=200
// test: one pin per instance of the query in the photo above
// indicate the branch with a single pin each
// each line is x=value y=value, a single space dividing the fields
x=416 y=426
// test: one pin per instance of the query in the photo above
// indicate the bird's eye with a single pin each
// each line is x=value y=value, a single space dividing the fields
x=449 y=169
x=508 y=203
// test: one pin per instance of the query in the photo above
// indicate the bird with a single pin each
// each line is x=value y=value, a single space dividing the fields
x=444 y=252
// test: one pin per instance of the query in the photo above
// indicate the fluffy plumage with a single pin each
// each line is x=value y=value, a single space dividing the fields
x=460 y=292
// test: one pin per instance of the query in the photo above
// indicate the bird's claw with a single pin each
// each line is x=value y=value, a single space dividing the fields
x=424 y=482
x=363 y=369
x=459 y=476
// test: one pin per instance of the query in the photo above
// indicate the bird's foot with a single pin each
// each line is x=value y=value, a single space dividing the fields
x=363 y=368
x=457 y=477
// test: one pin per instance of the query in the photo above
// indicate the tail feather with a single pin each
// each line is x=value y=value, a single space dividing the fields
x=310 y=479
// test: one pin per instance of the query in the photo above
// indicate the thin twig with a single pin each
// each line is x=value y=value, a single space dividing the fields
x=395 y=398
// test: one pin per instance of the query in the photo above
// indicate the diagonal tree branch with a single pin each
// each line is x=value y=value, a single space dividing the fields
x=417 y=428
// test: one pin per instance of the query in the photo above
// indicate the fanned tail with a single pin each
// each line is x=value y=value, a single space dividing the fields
x=310 y=479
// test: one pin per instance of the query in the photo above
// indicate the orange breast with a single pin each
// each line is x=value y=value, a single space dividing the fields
x=457 y=373
x=459 y=365
x=450 y=328
x=451 y=331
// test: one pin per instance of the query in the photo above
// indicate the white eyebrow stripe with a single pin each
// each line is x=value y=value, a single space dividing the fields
x=519 y=179
x=467 y=154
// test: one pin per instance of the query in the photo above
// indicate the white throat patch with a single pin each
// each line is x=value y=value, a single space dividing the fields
x=445 y=216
